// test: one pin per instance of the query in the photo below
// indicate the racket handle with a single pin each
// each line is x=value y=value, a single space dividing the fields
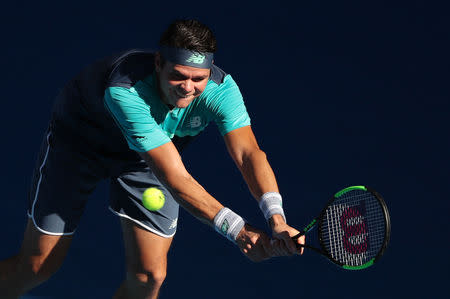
x=295 y=238
x=298 y=236
x=309 y=247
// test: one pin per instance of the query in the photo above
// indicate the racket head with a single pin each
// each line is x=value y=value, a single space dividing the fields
x=354 y=228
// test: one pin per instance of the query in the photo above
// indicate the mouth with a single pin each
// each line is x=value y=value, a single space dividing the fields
x=183 y=96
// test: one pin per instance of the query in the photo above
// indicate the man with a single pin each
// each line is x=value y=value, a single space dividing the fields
x=126 y=118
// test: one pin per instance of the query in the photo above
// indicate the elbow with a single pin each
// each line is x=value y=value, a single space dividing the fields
x=176 y=181
x=255 y=156
x=171 y=174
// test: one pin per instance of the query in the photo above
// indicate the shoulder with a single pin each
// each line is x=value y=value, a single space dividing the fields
x=219 y=82
x=220 y=86
x=220 y=92
x=217 y=75
x=131 y=66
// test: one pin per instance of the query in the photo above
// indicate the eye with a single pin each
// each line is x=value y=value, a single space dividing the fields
x=176 y=77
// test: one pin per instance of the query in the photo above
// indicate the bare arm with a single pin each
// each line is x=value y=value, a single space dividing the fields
x=166 y=163
x=260 y=178
x=253 y=164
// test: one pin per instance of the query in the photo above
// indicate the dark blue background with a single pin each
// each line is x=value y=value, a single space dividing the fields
x=339 y=94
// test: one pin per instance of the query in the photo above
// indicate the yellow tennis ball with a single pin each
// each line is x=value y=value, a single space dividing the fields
x=153 y=199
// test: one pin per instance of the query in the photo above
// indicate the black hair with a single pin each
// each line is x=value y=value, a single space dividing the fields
x=189 y=34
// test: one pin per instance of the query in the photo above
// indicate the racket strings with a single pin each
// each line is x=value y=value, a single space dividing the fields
x=353 y=228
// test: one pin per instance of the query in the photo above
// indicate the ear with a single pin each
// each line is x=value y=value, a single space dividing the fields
x=158 y=62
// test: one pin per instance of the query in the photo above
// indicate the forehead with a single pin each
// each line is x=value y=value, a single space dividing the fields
x=186 y=70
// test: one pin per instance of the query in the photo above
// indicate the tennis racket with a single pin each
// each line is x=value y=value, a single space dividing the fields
x=353 y=228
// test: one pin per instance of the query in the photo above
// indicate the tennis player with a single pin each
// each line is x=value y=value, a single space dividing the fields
x=126 y=118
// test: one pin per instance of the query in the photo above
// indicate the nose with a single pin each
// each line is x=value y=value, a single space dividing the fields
x=187 y=86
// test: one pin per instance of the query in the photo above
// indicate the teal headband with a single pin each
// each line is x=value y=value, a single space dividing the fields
x=186 y=57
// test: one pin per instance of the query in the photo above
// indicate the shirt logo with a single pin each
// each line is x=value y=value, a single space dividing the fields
x=140 y=138
x=195 y=122
x=196 y=58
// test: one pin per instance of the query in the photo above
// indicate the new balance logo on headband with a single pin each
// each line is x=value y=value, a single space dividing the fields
x=187 y=57
x=196 y=58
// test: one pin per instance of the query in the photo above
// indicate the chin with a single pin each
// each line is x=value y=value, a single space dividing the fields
x=183 y=103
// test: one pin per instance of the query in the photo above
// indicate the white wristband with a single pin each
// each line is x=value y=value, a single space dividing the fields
x=228 y=224
x=270 y=204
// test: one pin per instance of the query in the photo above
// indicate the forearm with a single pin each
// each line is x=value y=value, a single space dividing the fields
x=194 y=198
x=258 y=174
x=260 y=179
x=187 y=191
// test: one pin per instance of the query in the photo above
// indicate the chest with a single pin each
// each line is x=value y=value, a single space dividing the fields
x=189 y=121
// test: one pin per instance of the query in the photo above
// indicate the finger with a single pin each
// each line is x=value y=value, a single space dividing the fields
x=290 y=244
x=250 y=255
x=301 y=240
x=282 y=248
x=267 y=247
x=271 y=248
x=275 y=244
x=287 y=244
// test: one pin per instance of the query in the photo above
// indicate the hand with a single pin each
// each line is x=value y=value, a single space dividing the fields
x=282 y=243
x=254 y=243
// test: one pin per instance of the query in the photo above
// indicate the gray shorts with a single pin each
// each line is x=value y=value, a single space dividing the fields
x=66 y=173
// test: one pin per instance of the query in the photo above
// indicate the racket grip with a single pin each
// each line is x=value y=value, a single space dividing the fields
x=309 y=247
x=294 y=238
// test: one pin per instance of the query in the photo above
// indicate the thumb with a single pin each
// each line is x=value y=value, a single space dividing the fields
x=300 y=240
x=289 y=243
